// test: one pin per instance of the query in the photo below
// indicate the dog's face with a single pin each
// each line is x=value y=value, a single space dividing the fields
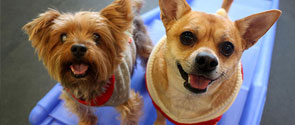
x=206 y=48
x=84 y=48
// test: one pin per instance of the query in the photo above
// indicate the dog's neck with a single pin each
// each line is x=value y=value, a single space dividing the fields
x=102 y=98
x=87 y=93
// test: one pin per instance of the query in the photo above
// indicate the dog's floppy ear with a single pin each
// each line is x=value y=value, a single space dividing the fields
x=40 y=26
x=255 y=26
x=172 y=10
x=119 y=14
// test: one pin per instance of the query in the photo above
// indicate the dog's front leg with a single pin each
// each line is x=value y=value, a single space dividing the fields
x=85 y=113
x=160 y=119
x=131 y=110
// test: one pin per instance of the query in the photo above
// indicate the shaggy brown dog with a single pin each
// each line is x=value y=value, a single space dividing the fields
x=92 y=54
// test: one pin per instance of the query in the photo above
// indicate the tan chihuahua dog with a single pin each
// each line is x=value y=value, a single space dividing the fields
x=194 y=72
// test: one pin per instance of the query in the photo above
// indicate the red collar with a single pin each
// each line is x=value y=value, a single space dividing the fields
x=210 y=122
x=102 y=99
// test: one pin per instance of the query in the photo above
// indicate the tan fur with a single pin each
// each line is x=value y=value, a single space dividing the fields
x=130 y=110
x=160 y=119
x=226 y=5
x=210 y=30
x=103 y=58
x=85 y=113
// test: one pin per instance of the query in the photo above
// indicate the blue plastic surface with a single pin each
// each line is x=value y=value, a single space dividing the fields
x=247 y=108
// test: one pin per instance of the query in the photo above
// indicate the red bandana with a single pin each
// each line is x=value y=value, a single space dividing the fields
x=102 y=99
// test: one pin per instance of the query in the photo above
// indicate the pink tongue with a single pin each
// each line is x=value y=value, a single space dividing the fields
x=198 y=82
x=79 y=69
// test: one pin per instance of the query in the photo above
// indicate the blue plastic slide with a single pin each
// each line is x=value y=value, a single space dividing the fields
x=247 y=108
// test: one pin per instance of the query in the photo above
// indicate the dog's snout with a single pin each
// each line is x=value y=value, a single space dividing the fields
x=206 y=62
x=78 y=50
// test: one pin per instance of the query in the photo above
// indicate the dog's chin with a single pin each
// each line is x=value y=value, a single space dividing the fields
x=196 y=83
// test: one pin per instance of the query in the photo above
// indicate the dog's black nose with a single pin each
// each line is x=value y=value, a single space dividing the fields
x=206 y=62
x=78 y=50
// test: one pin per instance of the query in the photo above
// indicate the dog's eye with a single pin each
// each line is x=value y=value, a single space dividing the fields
x=226 y=48
x=63 y=37
x=96 y=38
x=188 y=38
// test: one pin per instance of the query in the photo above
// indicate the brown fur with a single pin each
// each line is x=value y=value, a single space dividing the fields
x=84 y=113
x=131 y=109
x=210 y=30
x=103 y=57
x=226 y=4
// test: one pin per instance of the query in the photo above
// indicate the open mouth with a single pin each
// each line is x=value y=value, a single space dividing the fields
x=194 y=83
x=79 y=70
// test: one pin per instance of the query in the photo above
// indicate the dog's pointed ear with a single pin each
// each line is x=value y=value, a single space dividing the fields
x=253 y=27
x=119 y=14
x=40 y=26
x=172 y=10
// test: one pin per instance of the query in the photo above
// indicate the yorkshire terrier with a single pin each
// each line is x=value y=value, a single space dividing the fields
x=92 y=55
